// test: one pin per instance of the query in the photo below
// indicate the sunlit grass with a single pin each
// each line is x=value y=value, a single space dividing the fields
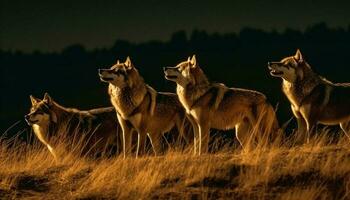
x=284 y=170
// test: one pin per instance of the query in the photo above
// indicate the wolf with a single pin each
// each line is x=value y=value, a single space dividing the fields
x=140 y=108
x=97 y=127
x=214 y=105
x=313 y=98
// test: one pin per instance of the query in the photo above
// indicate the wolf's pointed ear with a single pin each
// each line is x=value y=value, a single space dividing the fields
x=298 y=56
x=128 y=63
x=34 y=100
x=118 y=62
x=193 y=61
x=47 y=98
x=189 y=59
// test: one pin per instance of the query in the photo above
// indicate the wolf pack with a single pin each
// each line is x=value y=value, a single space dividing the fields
x=139 y=112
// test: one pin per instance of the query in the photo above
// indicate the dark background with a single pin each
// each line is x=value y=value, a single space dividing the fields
x=58 y=47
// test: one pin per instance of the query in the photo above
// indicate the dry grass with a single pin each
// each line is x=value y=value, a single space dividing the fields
x=318 y=170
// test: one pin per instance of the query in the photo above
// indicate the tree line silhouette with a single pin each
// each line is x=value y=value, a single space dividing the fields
x=236 y=59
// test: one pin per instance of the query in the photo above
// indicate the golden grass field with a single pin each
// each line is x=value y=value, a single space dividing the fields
x=283 y=170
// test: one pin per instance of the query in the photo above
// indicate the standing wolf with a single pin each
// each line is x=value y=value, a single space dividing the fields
x=213 y=105
x=139 y=107
x=313 y=98
x=96 y=129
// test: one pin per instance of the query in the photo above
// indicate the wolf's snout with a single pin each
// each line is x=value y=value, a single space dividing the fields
x=105 y=75
x=272 y=65
x=165 y=69
x=27 y=119
x=103 y=71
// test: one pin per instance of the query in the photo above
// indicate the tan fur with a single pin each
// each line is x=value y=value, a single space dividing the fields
x=47 y=119
x=313 y=98
x=41 y=134
x=213 y=105
x=140 y=108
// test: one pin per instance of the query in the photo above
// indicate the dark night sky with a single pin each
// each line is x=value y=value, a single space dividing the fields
x=49 y=26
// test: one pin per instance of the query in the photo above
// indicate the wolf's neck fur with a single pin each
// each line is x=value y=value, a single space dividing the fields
x=190 y=93
x=127 y=99
x=41 y=131
x=298 y=90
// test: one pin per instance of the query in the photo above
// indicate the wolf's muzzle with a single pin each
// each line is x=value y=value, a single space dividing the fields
x=29 y=122
x=273 y=68
x=100 y=71
x=165 y=68
x=168 y=73
x=269 y=64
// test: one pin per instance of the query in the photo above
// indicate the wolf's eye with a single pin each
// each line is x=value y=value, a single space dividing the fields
x=287 y=65
x=116 y=71
x=290 y=65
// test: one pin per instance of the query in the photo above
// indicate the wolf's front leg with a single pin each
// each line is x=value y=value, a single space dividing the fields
x=310 y=128
x=301 y=126
x=127 y=139
x=301 y=123
x=203 y=138
x=195 y=127
x=300 y=120
x=126 y=136
x=310 y=120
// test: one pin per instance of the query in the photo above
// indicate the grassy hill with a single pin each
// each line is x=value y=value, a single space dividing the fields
x=283 y=170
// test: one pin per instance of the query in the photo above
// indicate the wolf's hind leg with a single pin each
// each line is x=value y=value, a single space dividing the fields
x=141 y=144
x=345 y=126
